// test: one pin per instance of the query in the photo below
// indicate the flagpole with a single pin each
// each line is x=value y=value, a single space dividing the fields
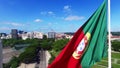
x=109 y=42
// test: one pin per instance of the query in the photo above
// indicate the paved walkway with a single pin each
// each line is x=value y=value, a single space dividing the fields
x=44 y=59
x=32 y=65
x=8 y=53
x=48 y=56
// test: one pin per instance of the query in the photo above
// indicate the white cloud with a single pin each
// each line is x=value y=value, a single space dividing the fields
x=71 y=18
x=14 y=24
x=50 y=23
x=67 y=8
x=50 y=13
x=4 y=28
x=43 y=13
x=38 y=20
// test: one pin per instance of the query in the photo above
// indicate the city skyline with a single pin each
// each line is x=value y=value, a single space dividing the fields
x=51 y=15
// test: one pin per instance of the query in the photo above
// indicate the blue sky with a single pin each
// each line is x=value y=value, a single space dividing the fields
x=115 y=15
x=51 y=15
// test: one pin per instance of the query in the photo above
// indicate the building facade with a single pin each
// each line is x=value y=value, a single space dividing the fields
x=32 y=35
x=51 y=34
x=14 y=33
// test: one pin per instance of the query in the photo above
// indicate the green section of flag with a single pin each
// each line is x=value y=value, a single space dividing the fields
x=97 y=47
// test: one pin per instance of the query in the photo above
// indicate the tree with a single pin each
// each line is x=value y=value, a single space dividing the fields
x=47 y=43
x=28 y=55
x=44 y=37
x=116 y=45
x=57 y=46
x=13 y=63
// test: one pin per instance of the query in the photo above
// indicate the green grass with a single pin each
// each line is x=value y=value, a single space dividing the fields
x=118 y=61
x=106 y=59
x=98 y=66
x=116 y=55
x=115 y=65
x=103 y=63
x=112 y=60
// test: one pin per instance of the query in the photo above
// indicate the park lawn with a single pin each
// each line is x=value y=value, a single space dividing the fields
x=106 y=59
x=98 y=66
x=112 y=60
x=118 y=61
x=116 y=55
x=115 y=65
x=103 y=63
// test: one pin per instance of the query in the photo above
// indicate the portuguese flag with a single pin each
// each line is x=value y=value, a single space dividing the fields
x=88 y=45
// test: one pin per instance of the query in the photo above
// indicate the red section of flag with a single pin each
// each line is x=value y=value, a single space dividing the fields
x=65 y=58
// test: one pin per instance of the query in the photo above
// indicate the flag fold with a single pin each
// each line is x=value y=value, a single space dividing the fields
x=88 y=45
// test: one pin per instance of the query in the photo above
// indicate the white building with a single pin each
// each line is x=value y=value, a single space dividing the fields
x=31 y=35
x=8 y=36
x=38 y=35
x=68 y=36
x=24 y=36
x=3 y=37
x=60 y=35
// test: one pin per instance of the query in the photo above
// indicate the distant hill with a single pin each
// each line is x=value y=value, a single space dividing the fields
x=115 y=33
x=69 y=33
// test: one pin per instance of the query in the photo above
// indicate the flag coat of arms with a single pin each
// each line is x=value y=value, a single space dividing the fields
x=88 y=45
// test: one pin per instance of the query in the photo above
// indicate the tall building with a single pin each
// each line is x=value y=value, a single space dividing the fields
x=51 y=34
x=14 y=33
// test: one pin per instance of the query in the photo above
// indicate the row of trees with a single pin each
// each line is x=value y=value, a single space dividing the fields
x=116 y=45
x=13 y=42
x=57 y=46
x=31 y=53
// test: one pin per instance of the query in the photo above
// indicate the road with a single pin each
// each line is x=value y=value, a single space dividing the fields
x=42 y=59
x=42 y=63
x=8 y=53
